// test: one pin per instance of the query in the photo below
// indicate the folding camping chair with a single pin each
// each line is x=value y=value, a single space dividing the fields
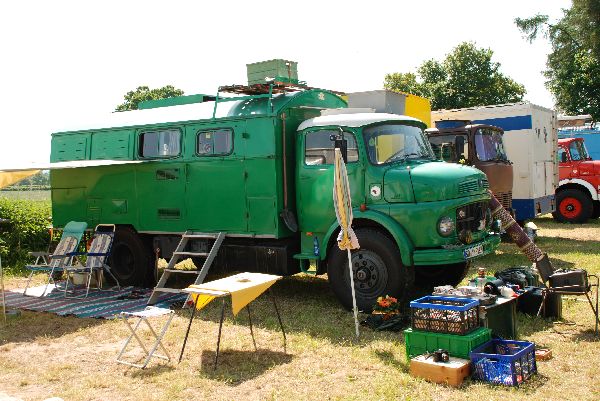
x=95 y=264
x=62 y=255
x=143 y=316
x=568 y=282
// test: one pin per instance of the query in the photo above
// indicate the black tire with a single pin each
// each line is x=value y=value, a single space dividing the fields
x=378 y=271
x=131 y=259
x=596 y=212
x=427 y=277
x=573 y=206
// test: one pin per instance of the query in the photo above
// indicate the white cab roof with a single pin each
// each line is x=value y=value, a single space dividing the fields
x=354 y=120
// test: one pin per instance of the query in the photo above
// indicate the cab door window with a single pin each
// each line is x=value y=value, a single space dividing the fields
x=319 y=148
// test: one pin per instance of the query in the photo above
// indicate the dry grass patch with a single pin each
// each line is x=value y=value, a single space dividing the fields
x=43 y=355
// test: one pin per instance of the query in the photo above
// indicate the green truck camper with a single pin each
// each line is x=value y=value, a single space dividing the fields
x=257 y=166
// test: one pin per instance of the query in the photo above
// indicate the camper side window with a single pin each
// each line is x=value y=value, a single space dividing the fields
x=160 y=143
x=214 y=142
x=319 y=148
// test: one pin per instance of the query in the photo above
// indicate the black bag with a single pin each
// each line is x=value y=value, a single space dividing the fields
x=575 y=281
x=529 y=303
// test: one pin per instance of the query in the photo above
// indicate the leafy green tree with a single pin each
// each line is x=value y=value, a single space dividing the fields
x=142 y=93
x=467 y=77
x=573 y=66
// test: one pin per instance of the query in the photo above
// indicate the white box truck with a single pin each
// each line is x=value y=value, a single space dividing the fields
x=530 y=139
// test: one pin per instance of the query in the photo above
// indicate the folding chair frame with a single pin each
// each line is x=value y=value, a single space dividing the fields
x=142 y=317
x=73 y=230
x=103 y=229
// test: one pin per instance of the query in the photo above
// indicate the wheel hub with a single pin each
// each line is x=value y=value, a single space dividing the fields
x=370 y=273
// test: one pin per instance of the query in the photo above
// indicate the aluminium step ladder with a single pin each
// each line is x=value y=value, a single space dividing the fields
x=181 y=252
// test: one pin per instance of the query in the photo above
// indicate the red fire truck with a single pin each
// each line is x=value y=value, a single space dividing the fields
x=578 y=192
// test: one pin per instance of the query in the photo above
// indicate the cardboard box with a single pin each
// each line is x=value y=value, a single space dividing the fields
x=452 y=372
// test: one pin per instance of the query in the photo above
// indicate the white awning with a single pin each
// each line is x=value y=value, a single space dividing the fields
x=12 y=174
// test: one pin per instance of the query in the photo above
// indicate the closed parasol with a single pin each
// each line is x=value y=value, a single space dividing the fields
x=343 y=210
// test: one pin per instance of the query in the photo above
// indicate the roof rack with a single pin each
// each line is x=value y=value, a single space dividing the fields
x=266 y=90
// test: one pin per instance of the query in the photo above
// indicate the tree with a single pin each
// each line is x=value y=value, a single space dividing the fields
x=467 y=77
x=142 y=93
x=573 y=66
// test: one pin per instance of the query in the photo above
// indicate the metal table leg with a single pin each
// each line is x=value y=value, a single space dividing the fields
x=188 y=328
x=272 y=296
x=251 y=331
x=219 y=337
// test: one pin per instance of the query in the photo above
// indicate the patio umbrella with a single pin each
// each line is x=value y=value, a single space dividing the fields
x=343 y=210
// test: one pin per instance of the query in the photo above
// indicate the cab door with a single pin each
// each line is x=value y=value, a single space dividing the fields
x=215 y=184
x=314 y=177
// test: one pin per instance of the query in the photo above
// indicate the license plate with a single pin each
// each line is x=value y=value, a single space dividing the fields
x=473 y=251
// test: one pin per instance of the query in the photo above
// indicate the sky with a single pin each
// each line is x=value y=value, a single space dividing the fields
x=63 y=62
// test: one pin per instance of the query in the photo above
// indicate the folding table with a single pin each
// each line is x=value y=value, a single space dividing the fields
x=243 y=289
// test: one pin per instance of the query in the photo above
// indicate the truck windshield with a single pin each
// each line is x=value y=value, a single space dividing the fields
x=489 y=145
x=578 y=151
x=391 y=142
x=445 y=148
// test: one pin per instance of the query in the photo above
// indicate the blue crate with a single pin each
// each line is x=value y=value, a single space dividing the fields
x=505 y=362
x=449 y=315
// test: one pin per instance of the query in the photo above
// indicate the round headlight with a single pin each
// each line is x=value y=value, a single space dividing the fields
x=445 y=226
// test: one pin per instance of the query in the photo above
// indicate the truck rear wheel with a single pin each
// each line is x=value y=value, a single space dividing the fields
x=131 y=259
x=573 y=206
x=377 y=267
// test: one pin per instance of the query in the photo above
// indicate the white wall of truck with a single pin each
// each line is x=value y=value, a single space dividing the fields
x=530 y=139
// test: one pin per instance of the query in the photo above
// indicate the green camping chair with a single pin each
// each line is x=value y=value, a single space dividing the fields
x=62 y=255
x=95 y=263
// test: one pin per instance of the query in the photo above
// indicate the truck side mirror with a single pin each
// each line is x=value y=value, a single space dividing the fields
x=459 y=143
x=563 y=157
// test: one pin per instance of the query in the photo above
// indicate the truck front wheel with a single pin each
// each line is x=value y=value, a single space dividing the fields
x=573 y=206
x=130 y=259
x=377 y=269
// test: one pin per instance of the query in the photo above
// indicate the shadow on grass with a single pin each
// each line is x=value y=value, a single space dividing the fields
x=235 y=367
x=32 y=326
x=390 y=359
x=588 y=335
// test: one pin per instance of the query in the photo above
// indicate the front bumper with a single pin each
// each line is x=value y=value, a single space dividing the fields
x=444 y=256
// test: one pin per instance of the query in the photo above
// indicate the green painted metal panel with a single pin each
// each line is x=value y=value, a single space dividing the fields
x=160 y=187
x=174 y=101
x=112 y=145
x=70 y=147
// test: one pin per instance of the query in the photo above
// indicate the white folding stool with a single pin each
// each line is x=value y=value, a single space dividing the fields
x=143 y=316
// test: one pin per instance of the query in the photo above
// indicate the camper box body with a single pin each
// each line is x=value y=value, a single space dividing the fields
x=530 y=139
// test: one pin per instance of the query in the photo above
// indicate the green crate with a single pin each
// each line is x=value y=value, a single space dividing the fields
x=423 y=342
x=280 y=70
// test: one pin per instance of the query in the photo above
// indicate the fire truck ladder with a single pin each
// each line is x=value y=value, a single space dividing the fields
x=181 y=252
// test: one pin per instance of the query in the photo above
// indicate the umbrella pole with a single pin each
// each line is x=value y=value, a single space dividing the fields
x=2 y=289
x=353 y=293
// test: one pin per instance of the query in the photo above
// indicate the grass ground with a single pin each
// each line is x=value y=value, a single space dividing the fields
x=43 y=355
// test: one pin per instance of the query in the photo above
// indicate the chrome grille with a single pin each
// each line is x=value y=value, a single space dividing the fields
x=469 y=217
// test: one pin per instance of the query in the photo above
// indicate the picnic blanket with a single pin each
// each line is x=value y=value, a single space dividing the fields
x=99 y=304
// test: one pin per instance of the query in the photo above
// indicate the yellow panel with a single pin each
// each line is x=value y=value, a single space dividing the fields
x=418 y=107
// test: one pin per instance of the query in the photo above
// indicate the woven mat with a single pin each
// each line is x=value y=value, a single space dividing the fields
x=98 y=304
